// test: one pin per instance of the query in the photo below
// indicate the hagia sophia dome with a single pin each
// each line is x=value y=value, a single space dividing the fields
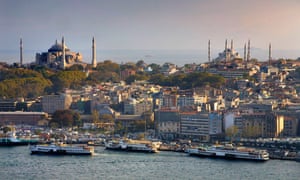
x=57 y=47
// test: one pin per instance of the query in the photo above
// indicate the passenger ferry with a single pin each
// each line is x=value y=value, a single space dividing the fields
x=62 y=149
x=132 y=145
x=230 y=152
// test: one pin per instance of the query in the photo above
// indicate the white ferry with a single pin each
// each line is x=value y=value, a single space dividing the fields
x=132 y=145
x=230 y=152
x=61 y=149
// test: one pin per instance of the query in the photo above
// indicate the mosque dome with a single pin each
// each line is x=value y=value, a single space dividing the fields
x=57 y=47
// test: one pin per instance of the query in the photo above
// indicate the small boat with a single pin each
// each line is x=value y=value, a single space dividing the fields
x=61 y=149
x=230 y=152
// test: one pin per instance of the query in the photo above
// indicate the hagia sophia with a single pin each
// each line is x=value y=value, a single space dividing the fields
x=59 y=56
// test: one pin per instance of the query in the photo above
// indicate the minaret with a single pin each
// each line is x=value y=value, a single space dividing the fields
x=270 y=56
x=94 y=61
x=21 y=52
x=226 y=54
x=231 y=49
x=245 y=52
x=208 y=50
x=63 y=63
x=248 y=53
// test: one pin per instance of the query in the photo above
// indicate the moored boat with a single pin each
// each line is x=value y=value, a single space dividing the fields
x=230 y=152
x=298 y=157
x=132 y=145
x=12 y=141
x=61 y=149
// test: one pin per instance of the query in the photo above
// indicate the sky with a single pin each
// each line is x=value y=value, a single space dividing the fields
x=150 y=24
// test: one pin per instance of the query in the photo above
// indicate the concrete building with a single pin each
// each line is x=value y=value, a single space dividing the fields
x=51 y=103
x=190 y=98
x=167 y=123
x=23 y=118
x=195 y=125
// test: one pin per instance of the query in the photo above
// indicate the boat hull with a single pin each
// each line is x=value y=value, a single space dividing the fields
x=59 y=153
x=61 y=150
x=129 y=147
x=229 y=154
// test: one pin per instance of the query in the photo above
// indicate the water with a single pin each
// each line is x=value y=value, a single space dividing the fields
x=178 y=57
x=17 y=163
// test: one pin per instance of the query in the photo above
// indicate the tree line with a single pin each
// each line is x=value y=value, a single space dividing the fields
x=38 y=81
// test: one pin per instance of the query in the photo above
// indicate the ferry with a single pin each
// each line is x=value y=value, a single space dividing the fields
x=61 y=149
x=12 y=140
x=132 y=145
x=230 y=152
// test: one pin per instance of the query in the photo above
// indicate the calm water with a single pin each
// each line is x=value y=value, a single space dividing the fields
x=17 y=163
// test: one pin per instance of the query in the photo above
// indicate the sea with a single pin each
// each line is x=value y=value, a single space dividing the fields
x=177 y=57
x=18 y=163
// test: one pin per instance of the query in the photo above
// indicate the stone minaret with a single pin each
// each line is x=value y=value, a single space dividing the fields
x=248 y=53
x=245 y=51
x=208 y=50
x=226 y=54
x=231 y=49
x=63 y=59
x=21 y=52
x=94 y=61
x=270 y=54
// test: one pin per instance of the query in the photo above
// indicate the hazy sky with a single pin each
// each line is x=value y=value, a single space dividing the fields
x=149 y=24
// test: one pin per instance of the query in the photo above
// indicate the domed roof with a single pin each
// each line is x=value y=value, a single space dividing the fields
x=57 y=47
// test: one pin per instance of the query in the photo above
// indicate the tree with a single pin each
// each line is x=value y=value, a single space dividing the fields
x=67 y=79
x=231 y=132
x=155 y=68
x=140 y=63
x=65 y=118
x=252 y=132
x=76 y=67
x=108 y=66
x=95 y=117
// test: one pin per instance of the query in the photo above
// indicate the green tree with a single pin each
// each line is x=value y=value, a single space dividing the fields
x=155 y=68
x=76 y=67
x=65 y=118
x=95 y=117
x=68 y=79
x=231 y=132
x=24 y=87
x=108 y=66
x=140 y=63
